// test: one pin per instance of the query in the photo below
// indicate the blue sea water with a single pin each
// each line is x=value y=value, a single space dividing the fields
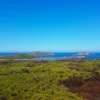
x=60 y=55
x=7 y=53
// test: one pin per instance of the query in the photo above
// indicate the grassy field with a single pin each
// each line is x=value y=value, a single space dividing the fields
x=54 y=80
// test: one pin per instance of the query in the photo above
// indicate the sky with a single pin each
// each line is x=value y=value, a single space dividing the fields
x=49 y=25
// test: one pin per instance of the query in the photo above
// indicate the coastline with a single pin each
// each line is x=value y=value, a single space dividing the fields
x=56 y=56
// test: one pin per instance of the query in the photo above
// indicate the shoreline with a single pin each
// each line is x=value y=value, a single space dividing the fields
x=45 y=60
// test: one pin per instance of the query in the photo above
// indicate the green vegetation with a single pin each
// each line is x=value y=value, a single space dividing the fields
x=45 y=81
x=19 y=56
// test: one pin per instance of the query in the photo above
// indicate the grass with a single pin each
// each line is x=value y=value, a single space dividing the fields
x=44 y=81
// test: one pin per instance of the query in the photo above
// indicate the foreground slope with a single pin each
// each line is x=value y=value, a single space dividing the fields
x=49 y=80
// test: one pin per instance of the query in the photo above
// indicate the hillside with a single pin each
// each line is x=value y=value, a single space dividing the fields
x=54 y=80
x=19 y=56
x=27 y=55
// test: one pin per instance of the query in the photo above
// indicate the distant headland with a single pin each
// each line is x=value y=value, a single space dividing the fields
x=50 y=56
x=27 y=56
x=41 y=54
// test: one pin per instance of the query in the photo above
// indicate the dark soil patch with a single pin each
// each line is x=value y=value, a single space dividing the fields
x=89 y=89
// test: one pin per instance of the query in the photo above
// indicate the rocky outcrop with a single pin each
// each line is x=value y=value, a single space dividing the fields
x=75 y=58
x=85 y=53
x=41 y=54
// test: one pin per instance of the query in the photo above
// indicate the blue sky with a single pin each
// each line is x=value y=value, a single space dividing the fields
x=49 y=25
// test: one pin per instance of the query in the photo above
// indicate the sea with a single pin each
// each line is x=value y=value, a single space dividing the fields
x=59 y=55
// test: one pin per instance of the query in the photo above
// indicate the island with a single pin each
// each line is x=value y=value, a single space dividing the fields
x=41 y=54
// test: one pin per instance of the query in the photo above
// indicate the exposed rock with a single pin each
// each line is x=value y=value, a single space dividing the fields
x=75 y=58
x=85 y=53
x=41 y=54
